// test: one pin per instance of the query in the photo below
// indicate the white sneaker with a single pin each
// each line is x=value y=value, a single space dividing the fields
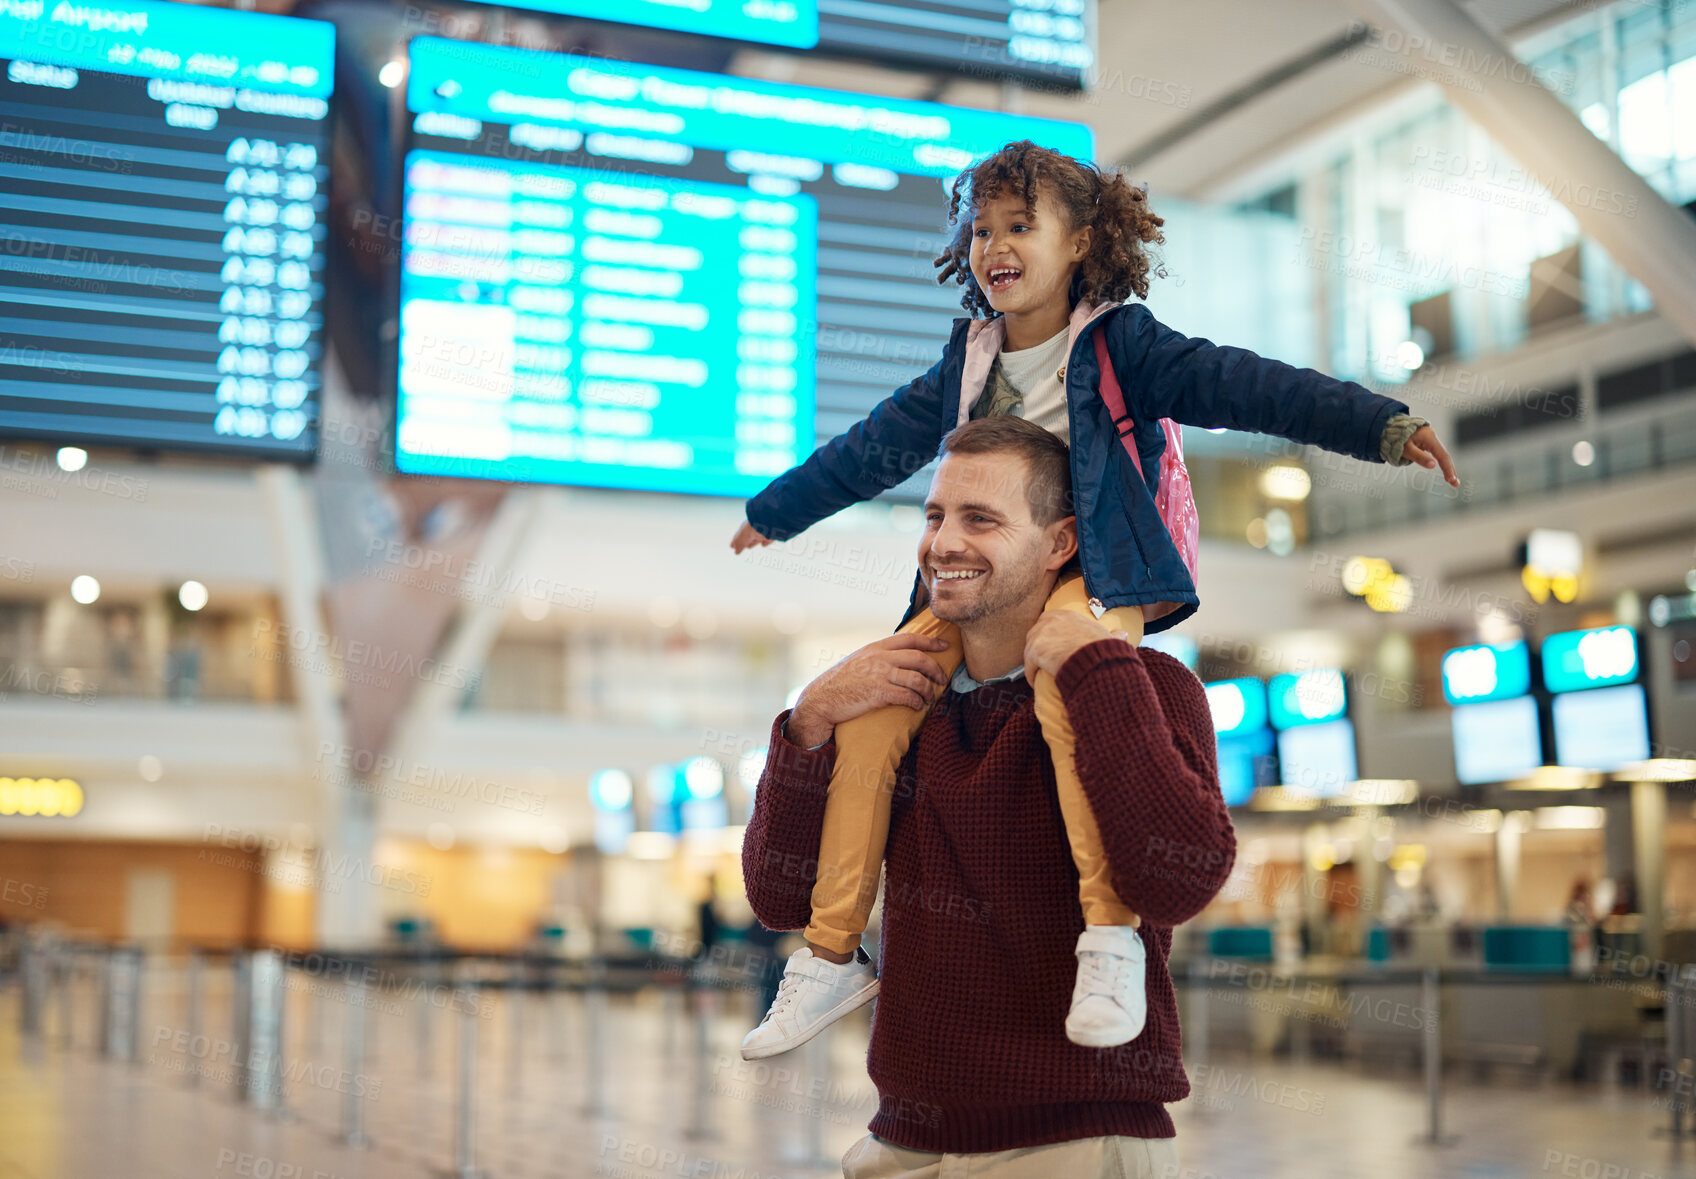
x=1110 y=1000
x=813 y=995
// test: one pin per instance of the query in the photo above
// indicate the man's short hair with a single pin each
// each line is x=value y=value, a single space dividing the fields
x=1047 y=461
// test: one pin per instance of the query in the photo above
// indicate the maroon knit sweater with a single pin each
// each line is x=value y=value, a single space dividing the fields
x=980 y=914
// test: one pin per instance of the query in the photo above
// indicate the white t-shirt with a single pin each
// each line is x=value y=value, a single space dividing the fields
x=1035 y=375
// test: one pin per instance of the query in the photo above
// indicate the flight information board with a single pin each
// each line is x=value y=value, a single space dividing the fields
x=632 y=276
x=791 y=23
x=1046 y=40
x=161 y=264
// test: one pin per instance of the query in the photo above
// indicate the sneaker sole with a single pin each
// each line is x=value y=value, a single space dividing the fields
x=858 y=999
x=1101 y=1039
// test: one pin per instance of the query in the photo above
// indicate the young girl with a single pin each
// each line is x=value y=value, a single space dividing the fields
x=1048 y=253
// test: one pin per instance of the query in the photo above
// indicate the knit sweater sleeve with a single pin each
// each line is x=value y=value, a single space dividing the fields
x=780 y=847
x=1147 y=758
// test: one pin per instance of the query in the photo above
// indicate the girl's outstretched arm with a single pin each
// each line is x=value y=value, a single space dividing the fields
x=893 y=442
x=1199 y=383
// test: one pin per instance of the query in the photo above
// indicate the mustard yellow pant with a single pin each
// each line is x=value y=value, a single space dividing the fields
x=870 y=748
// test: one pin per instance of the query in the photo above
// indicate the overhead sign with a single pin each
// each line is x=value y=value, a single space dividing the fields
x=1577 y=659
x=1238 y=706
x=1488 y=671
x=1307 y=698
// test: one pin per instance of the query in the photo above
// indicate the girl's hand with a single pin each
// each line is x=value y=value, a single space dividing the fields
x=1060 y=634
x=891 y=671
x=1425 y=449
x=747 y=537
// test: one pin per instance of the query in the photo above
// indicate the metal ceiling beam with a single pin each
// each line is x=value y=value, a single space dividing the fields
x=1652 y=239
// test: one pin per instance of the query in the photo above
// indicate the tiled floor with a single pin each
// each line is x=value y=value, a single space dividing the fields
x=678 y=1101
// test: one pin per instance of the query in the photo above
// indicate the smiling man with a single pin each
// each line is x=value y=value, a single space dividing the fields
x=975 y=1074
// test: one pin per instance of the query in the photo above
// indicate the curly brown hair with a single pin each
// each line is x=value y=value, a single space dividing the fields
x=1116 y=266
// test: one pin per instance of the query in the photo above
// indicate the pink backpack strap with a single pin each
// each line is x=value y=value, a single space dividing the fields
x=1114 y=398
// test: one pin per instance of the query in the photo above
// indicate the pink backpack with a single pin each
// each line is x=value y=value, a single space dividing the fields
x=1173 y=500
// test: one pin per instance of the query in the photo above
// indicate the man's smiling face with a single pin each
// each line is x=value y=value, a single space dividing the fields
x=982 y=553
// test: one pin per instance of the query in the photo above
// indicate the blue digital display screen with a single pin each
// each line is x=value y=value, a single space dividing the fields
x=1472 y=675
x=1180 y=647
x=632 y=276
x=1238 y=706
x=1306 y=698
x=1036 y=39
x=1496 y=741
x=1577 y=659
x=162 y=183
x=1245 y=762
x=794 y=23
x=1602 y=729
x=1317 y=760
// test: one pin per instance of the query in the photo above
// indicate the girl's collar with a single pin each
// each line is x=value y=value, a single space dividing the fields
x=1083 y=314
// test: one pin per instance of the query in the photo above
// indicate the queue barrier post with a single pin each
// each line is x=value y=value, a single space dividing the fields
x=818 y=1070
x=594 y=1056
x=673 y=1016
x=1431 y=1049
x=33 y=967
x=120 y=1023
x=430 y=971
x=193 y=1018
x=1196 y=1034
x=259 y=1059
x=515 y=1030
x=700 y=1018
x=64 y=969
x=1681 y=1053
x=353 y=1035
x=465 y=1107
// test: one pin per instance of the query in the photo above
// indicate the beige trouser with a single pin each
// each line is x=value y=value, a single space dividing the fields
x=870 y=748
x=1116 y=1157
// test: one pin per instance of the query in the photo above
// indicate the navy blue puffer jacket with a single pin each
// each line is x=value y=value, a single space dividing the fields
x=1127 y=556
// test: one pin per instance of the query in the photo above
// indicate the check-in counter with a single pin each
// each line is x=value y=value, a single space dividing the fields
x=1508 y=997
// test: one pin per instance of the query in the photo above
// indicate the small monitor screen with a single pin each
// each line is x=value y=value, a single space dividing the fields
x=1601 y=729
x=1245 y=762
x=1496 y=741
x=1317 y=760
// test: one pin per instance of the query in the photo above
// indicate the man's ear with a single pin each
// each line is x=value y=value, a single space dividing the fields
x=1063 y=543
